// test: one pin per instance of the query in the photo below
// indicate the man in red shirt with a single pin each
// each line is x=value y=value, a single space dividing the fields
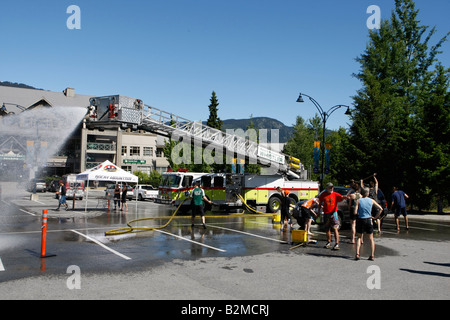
x=329 y=202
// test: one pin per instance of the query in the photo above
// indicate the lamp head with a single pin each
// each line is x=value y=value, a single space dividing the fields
x=300 y=99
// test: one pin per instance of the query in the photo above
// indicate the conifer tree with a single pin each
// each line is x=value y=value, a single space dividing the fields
x=214 y=120
x=396 y=72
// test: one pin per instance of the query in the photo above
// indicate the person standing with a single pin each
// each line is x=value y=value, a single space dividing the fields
x=198 y=196
x=329 y=202
x=285 y=207
x=62 y=196
x=353 y=196
x=399 y=206
x=117 y=197
x=124 y=196
x=364 y=222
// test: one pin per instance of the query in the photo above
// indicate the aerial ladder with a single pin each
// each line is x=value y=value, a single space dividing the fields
x=133 y=114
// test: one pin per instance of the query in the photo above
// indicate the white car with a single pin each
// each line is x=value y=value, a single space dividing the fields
x=145 y=192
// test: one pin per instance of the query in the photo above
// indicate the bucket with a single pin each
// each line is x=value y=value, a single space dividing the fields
x=276 y=218
x=299 y=236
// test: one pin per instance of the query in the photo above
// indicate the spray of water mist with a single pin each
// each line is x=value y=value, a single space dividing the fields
x=41 y=133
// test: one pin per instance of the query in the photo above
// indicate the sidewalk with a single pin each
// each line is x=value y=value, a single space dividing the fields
x=429 y=216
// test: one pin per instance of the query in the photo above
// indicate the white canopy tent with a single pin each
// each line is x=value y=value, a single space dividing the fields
x=106 y=171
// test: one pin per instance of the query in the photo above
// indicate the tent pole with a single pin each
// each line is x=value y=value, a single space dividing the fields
x=87 y=196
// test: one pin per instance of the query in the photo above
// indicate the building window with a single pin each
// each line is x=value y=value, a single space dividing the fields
x=159 y=152
x=148 y=151
x=135 y=151
x=145 y=169
x=127 y=168
x=124 y=150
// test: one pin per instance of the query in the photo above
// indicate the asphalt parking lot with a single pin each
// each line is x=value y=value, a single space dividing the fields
x=236 y=257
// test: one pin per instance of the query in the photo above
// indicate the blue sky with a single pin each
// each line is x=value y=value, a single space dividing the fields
x=256 y=54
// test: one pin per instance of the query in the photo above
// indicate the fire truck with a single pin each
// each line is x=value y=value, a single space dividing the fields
x=227 y=191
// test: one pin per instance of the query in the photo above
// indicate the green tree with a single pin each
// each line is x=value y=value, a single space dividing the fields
x=196 y=152
x=214 y=120
x=396 y=69
x=301 y=144
x=433 y=148
x=253 y=168
x=155 y=178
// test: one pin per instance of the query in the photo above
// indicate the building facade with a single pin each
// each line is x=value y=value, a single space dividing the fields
x=132 y=151
x=40 y=140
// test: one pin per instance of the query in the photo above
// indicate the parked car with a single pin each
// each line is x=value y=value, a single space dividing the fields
x=37 y=184
x=145 y=192
x=53 y=186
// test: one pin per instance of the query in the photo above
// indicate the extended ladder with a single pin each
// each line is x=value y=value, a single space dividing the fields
x=135 y=114
x=165 y=123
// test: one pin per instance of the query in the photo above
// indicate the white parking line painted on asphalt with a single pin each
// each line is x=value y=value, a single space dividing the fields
x=102 y=245
x=39 y=202
x=27 y=212
x=247 y=233
x=6 y=203
x=2 y=268
x=188 y=240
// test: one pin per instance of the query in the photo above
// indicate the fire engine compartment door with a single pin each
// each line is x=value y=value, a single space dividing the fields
x=250 y=194
x=219 y=193
x=262 y=196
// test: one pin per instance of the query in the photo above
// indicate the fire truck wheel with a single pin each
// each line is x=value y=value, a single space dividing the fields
x=274 y=204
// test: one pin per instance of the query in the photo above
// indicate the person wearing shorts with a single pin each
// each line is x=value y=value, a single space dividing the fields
x=399 y=207
x=329 y=201
x=364 y=222
x=286 y=205
x=304 y=212
x=197 y=196
x=124 y=197
x=62 y=196
x=353 y=195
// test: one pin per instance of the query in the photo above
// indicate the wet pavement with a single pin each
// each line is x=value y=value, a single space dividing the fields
x=77 y=237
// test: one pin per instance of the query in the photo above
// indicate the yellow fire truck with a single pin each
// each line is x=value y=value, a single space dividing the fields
x=223 y=189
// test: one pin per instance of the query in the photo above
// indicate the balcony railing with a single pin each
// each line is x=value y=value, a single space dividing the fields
x=101 y=147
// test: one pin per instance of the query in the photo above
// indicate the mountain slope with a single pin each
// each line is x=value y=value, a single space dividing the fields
x=285 y=132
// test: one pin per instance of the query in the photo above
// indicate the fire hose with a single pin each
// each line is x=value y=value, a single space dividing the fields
x=247 y=206
x=130 y=228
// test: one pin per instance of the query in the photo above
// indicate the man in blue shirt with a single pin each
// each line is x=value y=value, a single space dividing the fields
x=399 y=206
x=363 y=209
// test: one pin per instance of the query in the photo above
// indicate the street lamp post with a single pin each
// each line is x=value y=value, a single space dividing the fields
x=324 y=115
